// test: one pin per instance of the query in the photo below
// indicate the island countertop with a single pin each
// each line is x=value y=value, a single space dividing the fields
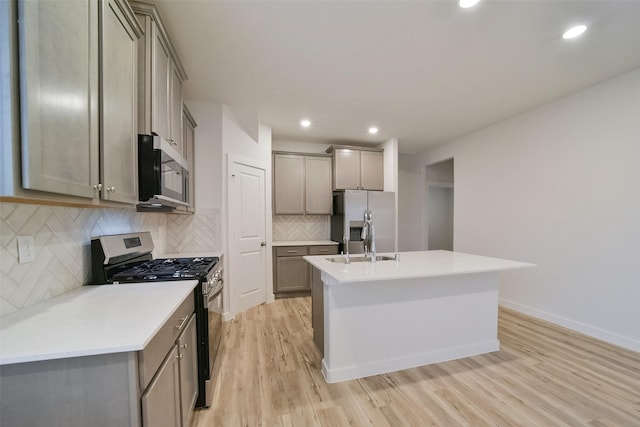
x=91 y=320
x=411 y=265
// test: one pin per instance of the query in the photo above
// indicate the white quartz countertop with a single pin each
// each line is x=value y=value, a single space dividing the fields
x=303 y=243
x=91 y=320
x=412 y=265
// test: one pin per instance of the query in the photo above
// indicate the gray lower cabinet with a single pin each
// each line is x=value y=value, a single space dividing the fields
x=291 y=270
x=161 y=402
x=188 y=356
x=291 y=273
x=170 y=397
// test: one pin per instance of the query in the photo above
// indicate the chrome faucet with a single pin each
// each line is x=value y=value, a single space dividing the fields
x=372 y=239
x=345 y=240
x=368 y=236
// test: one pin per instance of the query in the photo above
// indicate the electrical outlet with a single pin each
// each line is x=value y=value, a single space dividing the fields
x=26 y=249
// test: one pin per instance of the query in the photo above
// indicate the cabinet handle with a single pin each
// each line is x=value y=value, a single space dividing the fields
x=178 y=356
x=98 y=187
x=323 y=250
x=182 y=322
x=111 y=189
x=184 y=345
x=292 y=252
x=263 y=244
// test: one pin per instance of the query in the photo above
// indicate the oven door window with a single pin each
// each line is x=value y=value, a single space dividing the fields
x=174 y=179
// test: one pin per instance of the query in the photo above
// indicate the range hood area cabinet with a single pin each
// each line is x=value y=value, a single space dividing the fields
x=357 y=168
x=160 y=76
x=302 y=184
x=189 y=134
x=74 y=133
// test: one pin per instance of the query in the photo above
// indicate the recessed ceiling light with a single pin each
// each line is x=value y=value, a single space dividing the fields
x=465 y=4
x=574 y=31
x=373 y=130
x=305 y=123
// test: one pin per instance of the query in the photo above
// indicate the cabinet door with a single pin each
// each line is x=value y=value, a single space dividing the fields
x=187 y=345
x=161 y=402
x=189 y=132
x=118 y=145
x=318 y=194
x=292 y=274
x=176 y=109
x=288 y=184
x=346 y=169
x=371 y=170
x=160 y=69
x=58 y=47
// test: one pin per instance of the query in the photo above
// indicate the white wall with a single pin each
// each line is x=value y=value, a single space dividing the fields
x=559 y=186
x=208 y=154
x=410 y=230
x=238 y=141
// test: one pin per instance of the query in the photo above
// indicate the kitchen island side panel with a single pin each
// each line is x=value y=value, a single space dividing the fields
x=384 y=326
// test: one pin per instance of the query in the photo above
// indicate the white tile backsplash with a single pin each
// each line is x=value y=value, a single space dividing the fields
x=62 y=244
x=301 y=227
x=194 y=233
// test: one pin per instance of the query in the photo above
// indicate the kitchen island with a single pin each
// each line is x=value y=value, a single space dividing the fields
x=426 y=307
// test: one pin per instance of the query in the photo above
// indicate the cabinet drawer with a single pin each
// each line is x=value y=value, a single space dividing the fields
x=150 y=358
x=323 y=250
x=292 y=251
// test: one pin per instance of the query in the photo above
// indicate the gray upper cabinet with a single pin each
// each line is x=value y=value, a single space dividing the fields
x=288 y=184
x=318 y=194
x=78 y=98
x=357 y=168
x=189 y=136
x=160 y=78
x=302 y=184
x=59 y=96
x=160 y=67
x=372 y=170
x=118 y=155
x=175 y=110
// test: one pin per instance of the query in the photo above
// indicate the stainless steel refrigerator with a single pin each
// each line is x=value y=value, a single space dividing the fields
x=348 y=218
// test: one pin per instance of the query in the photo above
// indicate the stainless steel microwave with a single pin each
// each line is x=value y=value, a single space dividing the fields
x=163 y=175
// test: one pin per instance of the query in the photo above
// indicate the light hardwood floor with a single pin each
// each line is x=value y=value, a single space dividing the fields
x=543 y=375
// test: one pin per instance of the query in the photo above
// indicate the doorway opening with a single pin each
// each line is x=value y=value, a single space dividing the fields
x=440 y=190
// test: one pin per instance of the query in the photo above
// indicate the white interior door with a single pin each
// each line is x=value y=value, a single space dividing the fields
x=247 y=232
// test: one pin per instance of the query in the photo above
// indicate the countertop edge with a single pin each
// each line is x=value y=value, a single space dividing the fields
x=279 y=243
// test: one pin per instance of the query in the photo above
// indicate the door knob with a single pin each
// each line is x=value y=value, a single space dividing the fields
x=263 y=243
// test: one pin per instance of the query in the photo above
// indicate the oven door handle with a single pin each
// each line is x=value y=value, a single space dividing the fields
x=215 y=292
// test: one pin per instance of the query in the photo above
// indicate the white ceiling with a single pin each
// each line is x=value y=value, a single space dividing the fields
x=425 y=72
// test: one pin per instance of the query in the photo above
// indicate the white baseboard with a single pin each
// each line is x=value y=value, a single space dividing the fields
x=601 y=334
x=407 y=362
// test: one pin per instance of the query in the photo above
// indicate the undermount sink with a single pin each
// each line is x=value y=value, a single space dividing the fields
x=359 y=258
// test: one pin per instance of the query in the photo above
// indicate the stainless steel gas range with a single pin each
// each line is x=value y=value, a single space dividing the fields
x=127 y=258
